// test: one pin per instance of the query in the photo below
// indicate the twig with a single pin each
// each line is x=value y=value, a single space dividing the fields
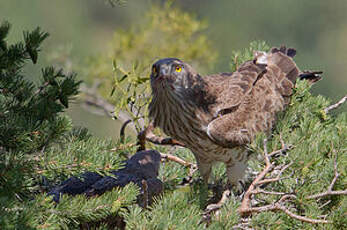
x=335 y=106
x=253 y=189
x=283 y=149
x=302 y=218
x=123 y=147
x=277 y=206
x=211 y=208
x=192 y=170
x=122 y=130
x=244 y=224
x=92 y=98
x=145 y=193
x=246 y=202
x=214 y=207
x=177 y=160
x=277 y=178
x=257 y=191
x=325 y=204
x=330 y=191
x=192 y=167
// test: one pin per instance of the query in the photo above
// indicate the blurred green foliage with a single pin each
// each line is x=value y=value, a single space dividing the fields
x=165 y=32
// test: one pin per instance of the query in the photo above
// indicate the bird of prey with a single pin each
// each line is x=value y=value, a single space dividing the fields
x=216 y=116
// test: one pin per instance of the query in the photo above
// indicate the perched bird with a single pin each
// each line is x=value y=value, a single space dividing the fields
x=215 y=116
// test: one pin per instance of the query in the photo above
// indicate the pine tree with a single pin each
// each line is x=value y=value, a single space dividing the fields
x=39 y=149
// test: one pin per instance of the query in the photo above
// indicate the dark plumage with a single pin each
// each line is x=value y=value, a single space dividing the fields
x=217 y=115
x=144 y=165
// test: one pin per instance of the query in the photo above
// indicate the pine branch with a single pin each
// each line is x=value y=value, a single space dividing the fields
x=246 y=208
x=336 y=105
x=92 y=99
x=177 y=160
x=330 y=191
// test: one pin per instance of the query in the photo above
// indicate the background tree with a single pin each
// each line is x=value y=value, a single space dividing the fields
x=165 y=32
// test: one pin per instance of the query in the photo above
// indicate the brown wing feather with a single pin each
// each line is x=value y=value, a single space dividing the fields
x=229 y=89
x=256 y=93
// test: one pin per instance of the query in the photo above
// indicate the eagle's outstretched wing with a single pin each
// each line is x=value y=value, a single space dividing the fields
x=248 y=100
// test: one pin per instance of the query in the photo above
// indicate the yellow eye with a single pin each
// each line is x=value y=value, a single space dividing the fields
x=154 y=70
x=178 y=69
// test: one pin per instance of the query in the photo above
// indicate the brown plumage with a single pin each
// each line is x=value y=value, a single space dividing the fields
x=217 y=115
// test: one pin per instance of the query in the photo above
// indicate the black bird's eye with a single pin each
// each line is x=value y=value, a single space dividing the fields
x=178 y=69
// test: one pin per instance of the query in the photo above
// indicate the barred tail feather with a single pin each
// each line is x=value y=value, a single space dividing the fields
x=286 y=64
x=282 y=58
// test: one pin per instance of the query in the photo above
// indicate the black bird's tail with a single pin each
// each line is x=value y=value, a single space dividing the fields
x=311 y=76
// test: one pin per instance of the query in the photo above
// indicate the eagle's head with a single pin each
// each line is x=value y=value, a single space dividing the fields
x=171 y=74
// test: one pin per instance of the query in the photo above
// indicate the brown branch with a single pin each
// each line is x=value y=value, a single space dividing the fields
x=91 y=98
x=122 y=130
x=246 y=208
x=145 y=193
x=277 y=206
x=277 y=178
x=253 y=189
x=192 y=167
x=246 y=202
x=214 y=207
x=302 y=218
x=177 y=160
x=336 y=105
x=330 y=191
x=257 y=191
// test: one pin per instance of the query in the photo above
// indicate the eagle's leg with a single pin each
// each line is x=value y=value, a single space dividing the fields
x=204 y=169
x=236 y=171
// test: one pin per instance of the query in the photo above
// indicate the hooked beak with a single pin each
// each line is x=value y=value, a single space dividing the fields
x=163 y=71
